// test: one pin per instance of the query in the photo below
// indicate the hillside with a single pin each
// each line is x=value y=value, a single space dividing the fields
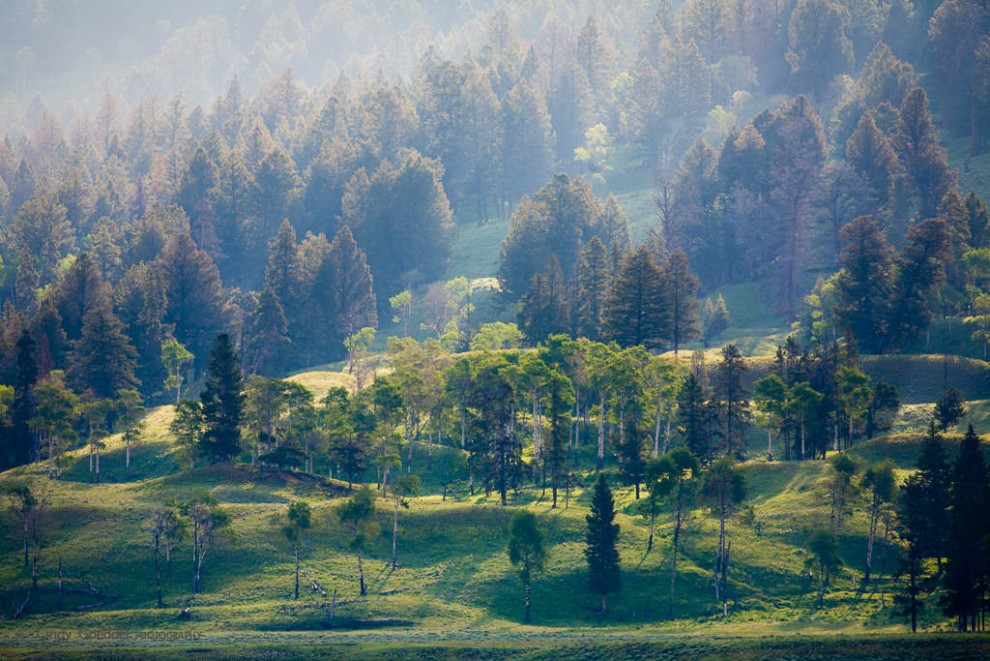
x=454 y=585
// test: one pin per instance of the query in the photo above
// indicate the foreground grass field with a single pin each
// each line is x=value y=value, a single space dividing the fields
x=454 y=593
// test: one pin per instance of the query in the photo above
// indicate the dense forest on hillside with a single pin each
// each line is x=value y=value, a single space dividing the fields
x=524 y=239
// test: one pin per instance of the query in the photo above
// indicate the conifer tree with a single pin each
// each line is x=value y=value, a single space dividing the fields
x=681 y=289
x=268 y=337
x=222 y=403
x=967 y=565
x=22 y=448
x=600 y=539
x=732 y=397
x=545 y=310
x=353 y=293
x=102 y=359
x=866 y=282
x=593 y=282
x=635 y=312
x=917 y=145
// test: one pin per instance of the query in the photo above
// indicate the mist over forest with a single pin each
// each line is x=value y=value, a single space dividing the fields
x=536 y=265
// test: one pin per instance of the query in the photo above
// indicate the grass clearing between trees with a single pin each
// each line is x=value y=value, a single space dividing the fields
x=454 y=593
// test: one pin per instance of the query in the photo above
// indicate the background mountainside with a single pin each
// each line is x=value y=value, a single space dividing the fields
x=249 y=251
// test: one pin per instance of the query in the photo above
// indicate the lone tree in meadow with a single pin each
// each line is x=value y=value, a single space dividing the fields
x=601 y=537
x=298 y=521
x=222 y=403
x=824 y=559
x=949 y=409
x=406 y=485
x=207 y=520
x=358 y=515
x=526 y=550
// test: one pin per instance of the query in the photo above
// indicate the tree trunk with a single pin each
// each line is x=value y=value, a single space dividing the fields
x=59 y=582
x=601 y=432
x=526 y=617
x=97 y=463
x=914 y=602
x=364 y=589
x=127 y=458
x=653 y=516
x=195 y=558
x=604 y=605
x=673 y=562
x=333 y=606
x=821 y=586
x=296 y=549
x=34 y=565
x=158 y=571
x=874 y=517
x=395 y=536
x=27 y=540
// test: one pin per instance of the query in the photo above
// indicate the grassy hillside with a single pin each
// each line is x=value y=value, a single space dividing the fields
x=454 y=583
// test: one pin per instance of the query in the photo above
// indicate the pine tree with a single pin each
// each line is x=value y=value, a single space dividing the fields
x=593 y=281
x=268 y=337
x=600 y=539
x=545 y=310
x=102 y=359
x=222 y=402
x=194 y=293
x=818 y=48
x=966 y=569
x=635 y=312
x=869 y=153
x=935 y=477
x=353 y=291
x=681 y=287
x=732 y=398
x=866 y=282
x=917 y=145
x=694 y=416
x=21 y=449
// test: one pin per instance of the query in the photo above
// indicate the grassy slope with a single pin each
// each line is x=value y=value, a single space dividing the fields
x=454 y=581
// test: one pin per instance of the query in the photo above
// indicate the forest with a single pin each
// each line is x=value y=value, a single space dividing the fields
x=646 y=316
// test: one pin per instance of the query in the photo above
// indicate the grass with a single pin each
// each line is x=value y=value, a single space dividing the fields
x=454 y=592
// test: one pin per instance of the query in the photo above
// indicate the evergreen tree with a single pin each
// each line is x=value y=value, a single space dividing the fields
x=714 y=318
x=222 y=401
x=733 y=398
x=917 y=145
x=194 y=293
x=935 y=478
x=921 y=269
x=21 y=447
x=681 y=288
x=600 y=539
x=818 y=48
x=635 y=311
x=268 y=336
x=557 y=220
x=869 y=153
x=81 y=290
x=950 y=407
x=102 y=359
x=525 y=142
x=694 y=416
x=966 y=570
x=352 y=290
x=593 y=283
x=866 y=282
x=545 y=310
x=912 y=528
x=559 y=398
